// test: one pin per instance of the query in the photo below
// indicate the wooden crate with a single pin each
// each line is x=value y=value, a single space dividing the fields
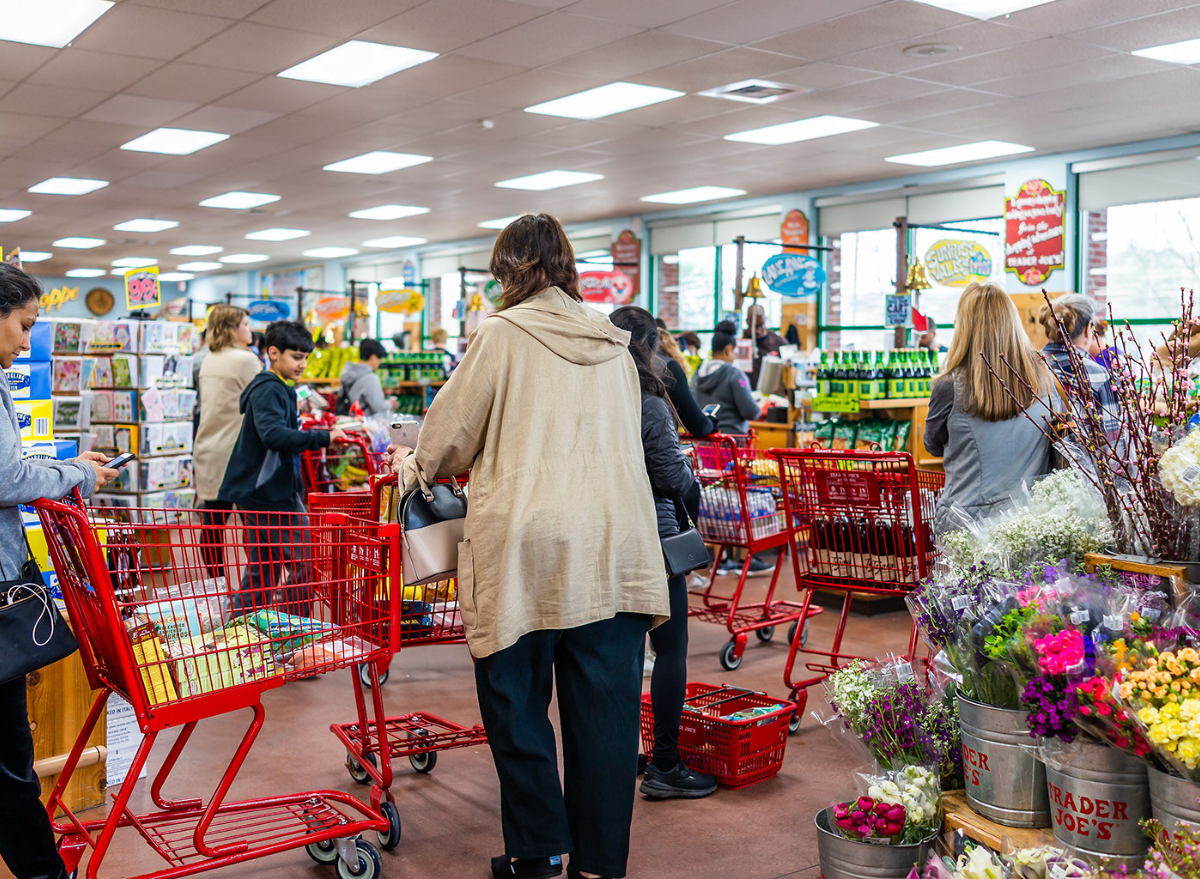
x=960 y=816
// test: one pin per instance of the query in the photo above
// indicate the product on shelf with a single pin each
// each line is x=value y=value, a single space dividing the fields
x=29 y=380
x=876 y=375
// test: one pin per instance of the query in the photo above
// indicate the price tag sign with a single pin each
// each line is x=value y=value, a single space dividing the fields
x=835 y=403
x=899 y=310
x=141 y=288
x=1080 y=617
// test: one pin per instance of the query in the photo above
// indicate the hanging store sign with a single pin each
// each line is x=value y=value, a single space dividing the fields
x=269 y=310
x=794 y=230
x=331 y=308
x=405 y=301
x=627 y=258
x=57 y=298
x=141 y=288
x=899 y=310
x=954 y=263
x=615 y=288
x=793 y=274
x=409 y=272
x=1034 y=242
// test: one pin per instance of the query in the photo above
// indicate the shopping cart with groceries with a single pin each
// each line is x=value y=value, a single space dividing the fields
x=868 y=515
x=186 y=623
x=741 y=507
x=346 y=465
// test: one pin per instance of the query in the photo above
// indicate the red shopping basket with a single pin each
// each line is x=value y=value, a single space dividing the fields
x=715 y=740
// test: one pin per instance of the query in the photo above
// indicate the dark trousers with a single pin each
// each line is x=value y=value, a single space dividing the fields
x=26 y=841
x=599 y=675
x=276 y=548
x=668 y=681
x=213 y=516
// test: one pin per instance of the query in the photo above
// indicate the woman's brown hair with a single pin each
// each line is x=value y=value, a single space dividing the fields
x=987 y=329
x=531 y=254
x=1074 y=311
x=223 y=321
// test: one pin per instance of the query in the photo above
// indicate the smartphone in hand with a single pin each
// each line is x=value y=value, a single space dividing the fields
x=404 y=433
x=121 y=460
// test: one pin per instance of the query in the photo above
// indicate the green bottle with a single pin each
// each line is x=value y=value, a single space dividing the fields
x=823 y=376
x=864 y=376
x=880 y=377
x=835 y=374
x=912 y=380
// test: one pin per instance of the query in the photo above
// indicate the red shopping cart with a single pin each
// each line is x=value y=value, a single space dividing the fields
x=421 y=615
x=741 y=507
x=868 y=515
x=180 y=646
x=345 y=465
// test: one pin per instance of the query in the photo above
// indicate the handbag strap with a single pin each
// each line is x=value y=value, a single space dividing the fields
x=4 y=578
x=680 y=505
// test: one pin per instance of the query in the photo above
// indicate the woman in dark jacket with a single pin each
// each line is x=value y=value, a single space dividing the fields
x=671 y=479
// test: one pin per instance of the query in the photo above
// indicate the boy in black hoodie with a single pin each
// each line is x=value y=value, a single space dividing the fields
x=263 y=477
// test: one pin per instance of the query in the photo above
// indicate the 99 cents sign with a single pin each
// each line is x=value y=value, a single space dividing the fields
x=141 y=288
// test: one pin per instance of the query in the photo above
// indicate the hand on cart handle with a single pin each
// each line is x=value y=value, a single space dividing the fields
x=396 y=455
x=337 y=435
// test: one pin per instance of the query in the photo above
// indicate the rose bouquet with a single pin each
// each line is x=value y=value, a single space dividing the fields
x=870 y=819
x=916 y=789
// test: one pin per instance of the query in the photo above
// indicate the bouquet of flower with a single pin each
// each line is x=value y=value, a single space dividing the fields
x=1162 y=692
x=917 y=790
x=869 y=819
x=1175 y=853
x=977 y=862
x=1047 y=862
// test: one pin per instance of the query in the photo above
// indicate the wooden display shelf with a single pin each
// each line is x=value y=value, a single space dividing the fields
x=774 y=434
x=433 y=383
x=958 y=815
x=326 y=380
x=888 y=403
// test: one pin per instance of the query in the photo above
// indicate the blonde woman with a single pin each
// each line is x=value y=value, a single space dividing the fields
x=987 y=443
x=228 y=368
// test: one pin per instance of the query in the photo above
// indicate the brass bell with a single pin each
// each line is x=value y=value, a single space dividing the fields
x=917 y=279
x=754 y=288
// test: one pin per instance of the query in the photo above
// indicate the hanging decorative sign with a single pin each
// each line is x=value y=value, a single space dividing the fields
x=409 y=272
x=794 y=230
x=57 y=298
x=492 y=291
x=269 y=310
x=899 y=310
x=1034 y=241
x=141 y=288
x=612 y=287
x=405 y=301
x=331 y=308
x=627 y=258
x=793 y=274
x=954 y=263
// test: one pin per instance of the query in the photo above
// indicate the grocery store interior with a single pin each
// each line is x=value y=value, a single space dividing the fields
x=234 y=211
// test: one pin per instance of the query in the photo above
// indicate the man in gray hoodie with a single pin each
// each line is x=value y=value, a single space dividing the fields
x=719 y=381
x=360 y=381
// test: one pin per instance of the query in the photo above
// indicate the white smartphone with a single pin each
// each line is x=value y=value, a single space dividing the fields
x=404 y=433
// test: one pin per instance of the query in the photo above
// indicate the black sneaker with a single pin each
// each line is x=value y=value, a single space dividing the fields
x=759 y=568
x=729 y=567
x=681 y=783
x=643 y=762
x=526 y=868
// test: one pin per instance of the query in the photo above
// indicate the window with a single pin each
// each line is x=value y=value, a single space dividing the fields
x=940 y=301
x=753 y=257
x=697 y=288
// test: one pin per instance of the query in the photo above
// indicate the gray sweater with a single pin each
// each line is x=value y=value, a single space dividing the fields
x=362 y=384
x=23 y=482
x=719 y=382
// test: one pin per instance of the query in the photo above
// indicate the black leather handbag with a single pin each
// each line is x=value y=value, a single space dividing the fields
x=684 y=552
x=33 y=634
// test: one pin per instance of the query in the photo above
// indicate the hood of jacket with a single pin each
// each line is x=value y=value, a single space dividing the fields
x=711 y=375
x=352 y=372
x=263 y=379
x=570 y=329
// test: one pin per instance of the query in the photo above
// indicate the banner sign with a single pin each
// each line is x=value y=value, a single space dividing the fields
x=58 y=297
x=899 y=310
x=627 y=258
x=1034 y=237
x=405 y=301
x=269 y=310
x=954 y=263
x=794 y=230
x=613 y=287
x=793 y=274
x=332 y=308
x=141 y=288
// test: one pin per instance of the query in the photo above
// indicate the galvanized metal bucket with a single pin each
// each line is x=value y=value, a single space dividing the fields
x=1005 y=781
x=1098 y=797
x=1173 y=801
x=843 y=858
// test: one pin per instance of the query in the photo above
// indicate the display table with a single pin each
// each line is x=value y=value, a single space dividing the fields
x=959 y=816
x=774 y=435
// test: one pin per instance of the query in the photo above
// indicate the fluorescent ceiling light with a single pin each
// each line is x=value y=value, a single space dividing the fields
x=966 y=152
x=616 y=97
x=49 y=22
x=11 y=215
x=357 y=63
x=79 y=243
x=240 y=258
x=134 y=262
x=174 y=141
x=176 y=276
x=68 y=186
x=389 y=212
x=85 y=273
x=984 y=8
x=330 y=252
x=394 y=241
x=801 y=129
x=35 y=256
x=378 y=162
x=200 y=266
x=196 y=250
x=695 y=194
x=500 y=223
x=549 y=180
x=145 y=225
x=1186 y=52
x=277 y=234
x=238 y=201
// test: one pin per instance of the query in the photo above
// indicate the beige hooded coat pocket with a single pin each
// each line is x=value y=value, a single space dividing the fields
x=466 y=584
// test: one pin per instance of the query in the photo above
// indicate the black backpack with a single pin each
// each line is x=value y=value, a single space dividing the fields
x=342 y=402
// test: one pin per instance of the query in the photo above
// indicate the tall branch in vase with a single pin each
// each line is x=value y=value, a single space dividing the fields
x=1122 y=462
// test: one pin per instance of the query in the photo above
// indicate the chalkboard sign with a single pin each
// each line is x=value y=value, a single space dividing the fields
x=899 y=310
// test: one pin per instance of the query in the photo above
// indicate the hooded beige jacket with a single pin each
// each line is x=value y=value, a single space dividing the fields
x=545 y=412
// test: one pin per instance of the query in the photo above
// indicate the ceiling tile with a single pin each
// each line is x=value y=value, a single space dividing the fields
x=18 y=60
x=548 y=39
x=134 y=110
x=79 y=68
x=970 y=39
x=720 y=68
x=887 y=23
x=227 y=120
x=225 y=8
x=1091 y=72
x=451 y=24
x=634 y=55
x=147 y=32
x=279 y=95
x=643 y=13
x=160 y=179
x=820 y=75
x=61 y=153
x=258 y=48
x=689 y=108
x=927 y=106
x=26 y=125
x=50 y=100
x=293 y=129
x=750 y=20
x=191 y=82
x=1065 y=16
x=108 y=134
x=1142 y=33
x=526 y=89
x=323 y=17
x=1048 y=52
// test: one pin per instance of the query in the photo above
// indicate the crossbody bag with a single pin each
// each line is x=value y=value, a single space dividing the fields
x=33 y=634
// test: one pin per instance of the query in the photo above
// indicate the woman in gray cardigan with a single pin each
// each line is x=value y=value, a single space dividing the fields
x=989 y=442
x=26 y=840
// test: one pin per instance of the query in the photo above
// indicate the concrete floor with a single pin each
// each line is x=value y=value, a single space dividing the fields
x=450 y=817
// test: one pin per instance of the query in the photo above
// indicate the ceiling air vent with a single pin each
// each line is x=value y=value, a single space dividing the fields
x=753 y=91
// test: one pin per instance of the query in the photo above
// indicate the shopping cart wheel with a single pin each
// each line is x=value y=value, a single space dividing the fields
x=425 y=762
x=390 y=839
x=801 y=699
x=369 y=864
x=765 y=634
x=357 y=771
x=803 y=633
x=323 y=852
x=728 y=657
x=364 y=675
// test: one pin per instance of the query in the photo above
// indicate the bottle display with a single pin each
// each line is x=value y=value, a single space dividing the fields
x=898 y=374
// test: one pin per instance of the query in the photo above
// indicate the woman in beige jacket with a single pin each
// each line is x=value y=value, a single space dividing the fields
x=561 y=572
x=226 y=371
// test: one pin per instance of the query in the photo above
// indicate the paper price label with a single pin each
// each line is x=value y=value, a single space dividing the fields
x=1058 y=872
x=1078 y=668
x=1113 y=621
x=1080 y=617
x=904 y=671
x=1151 y=614
x=960 y=602
x=1190 y=475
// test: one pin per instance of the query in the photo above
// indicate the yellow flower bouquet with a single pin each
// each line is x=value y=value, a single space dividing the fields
x=1163 y=693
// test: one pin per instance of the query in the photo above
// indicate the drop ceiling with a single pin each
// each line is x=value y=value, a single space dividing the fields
x=1055 y=77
